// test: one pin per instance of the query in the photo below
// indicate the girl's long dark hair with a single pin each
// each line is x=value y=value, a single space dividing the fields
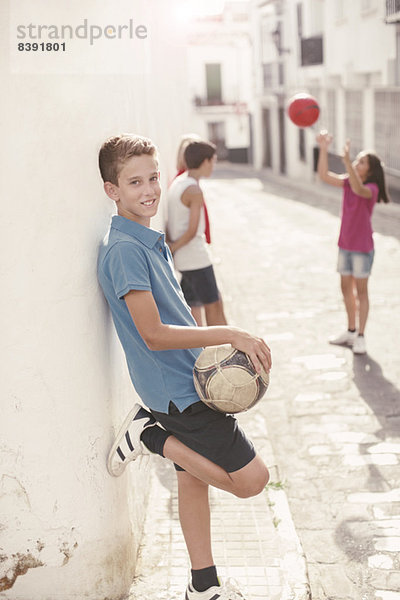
x=376 y=175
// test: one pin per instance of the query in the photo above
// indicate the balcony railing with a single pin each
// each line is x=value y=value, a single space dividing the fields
x=230 y=105
x=312 y=51
x=202 y=101
x=392 y=11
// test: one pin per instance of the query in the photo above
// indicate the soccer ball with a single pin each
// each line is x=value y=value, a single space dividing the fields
x=303 y=110
x=226 y=380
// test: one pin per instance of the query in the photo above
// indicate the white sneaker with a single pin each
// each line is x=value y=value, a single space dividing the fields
x=359 y=346
x=345 y=339
x=227 y=591
x=127 y=445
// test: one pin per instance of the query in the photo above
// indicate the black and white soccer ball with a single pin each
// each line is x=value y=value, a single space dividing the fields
x=226 y=380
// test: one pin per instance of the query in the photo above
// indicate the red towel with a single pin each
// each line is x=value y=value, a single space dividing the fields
x=207 y=229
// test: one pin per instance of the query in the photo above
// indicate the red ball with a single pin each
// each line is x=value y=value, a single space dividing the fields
x=303 y=110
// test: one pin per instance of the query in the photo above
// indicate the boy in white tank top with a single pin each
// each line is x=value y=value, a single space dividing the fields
x=186 y=233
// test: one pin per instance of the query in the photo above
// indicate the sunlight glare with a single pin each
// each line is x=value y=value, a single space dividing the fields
x=193 y=9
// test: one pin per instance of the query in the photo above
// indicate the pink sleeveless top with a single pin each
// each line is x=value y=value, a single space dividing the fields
x=356 y=227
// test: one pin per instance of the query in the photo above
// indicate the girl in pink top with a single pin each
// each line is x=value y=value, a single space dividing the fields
x=363 y=185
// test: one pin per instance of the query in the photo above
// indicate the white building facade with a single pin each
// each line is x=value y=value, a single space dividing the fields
x=347 y=55
x=220 y=80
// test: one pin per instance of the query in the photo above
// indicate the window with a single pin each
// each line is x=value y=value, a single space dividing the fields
x=387 y=128
x=312 y=51
x=392 y=11
x=340 y=10
x=216 y=135
x=268 y=78
x=267 y=137
x=299 y=10
x=331 y=116
x=214 y=83
x=273 y=75
x=302 y=145
x=367 y=5
x=398 y=58
x=281 y=74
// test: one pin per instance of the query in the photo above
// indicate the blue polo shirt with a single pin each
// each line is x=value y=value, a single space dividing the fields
x=134 y=257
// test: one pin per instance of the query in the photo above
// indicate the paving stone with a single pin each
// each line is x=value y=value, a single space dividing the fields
x=335 y=582
x=387 y=525
x=388 y=544
x=384 y=448
x=359 y=460
x=387 y=595
x=356 y=437
x=380 y=561
x=325 y=449
x=385 y=579
x=376 y=497
x=320 y=546
x=384 y=511
x=320 y=361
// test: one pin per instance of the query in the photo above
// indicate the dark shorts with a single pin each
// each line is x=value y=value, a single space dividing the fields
x=214 y=435
x=199 y=286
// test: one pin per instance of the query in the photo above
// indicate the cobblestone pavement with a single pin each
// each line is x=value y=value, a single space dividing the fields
x=330 y=420
x=254 y=542
x=333 y=417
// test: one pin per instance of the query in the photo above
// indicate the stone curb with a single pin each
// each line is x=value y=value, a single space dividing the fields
x=293 y=559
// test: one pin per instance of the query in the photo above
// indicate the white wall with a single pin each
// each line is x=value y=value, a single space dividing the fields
x=67 y=528
x=375 y=42
x=228 y=43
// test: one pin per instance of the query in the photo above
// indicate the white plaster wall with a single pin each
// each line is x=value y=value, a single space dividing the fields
x=68 y=530
x=360 y=42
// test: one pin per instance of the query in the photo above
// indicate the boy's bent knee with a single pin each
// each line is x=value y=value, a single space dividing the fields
x=253 y=484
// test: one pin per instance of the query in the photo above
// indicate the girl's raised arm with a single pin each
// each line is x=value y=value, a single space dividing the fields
x=324 y=139
x=355 y=180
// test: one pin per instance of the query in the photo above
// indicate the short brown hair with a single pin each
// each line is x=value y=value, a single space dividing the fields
x=197 y=152
x=117 y=149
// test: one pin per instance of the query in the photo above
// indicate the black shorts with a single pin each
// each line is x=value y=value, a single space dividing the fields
x=214 y=435
x=199 y=286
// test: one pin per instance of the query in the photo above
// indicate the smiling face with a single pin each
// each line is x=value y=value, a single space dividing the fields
x=137 y=194
x=362 y=166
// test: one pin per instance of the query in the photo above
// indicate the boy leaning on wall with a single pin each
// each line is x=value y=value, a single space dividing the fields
x=161 y=343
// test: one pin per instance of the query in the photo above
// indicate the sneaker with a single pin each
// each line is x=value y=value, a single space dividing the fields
x=359 y=346
x=227 y=591
x=127 y=445
x=345 y=339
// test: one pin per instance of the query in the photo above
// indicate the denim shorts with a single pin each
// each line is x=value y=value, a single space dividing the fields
x=358 y=264
x=200 y=286
x=212 y=434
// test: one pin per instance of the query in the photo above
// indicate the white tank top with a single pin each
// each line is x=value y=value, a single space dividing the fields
x=194 y=254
